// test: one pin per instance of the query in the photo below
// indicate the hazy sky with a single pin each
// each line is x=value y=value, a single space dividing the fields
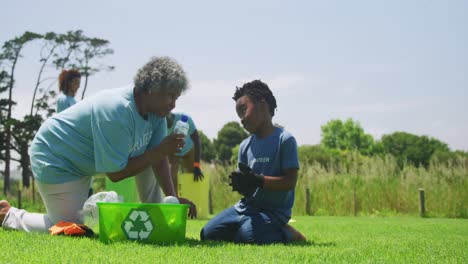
x=390 y=65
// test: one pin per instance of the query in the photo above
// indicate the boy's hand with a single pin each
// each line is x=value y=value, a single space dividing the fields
x=245 y=181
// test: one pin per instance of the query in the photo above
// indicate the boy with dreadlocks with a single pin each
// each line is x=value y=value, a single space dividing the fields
x=268 y=166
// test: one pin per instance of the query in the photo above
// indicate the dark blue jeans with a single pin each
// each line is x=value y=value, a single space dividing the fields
x=252 y=226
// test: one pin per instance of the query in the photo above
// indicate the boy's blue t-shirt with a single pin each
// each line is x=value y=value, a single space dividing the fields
x=188 y=139
x=98 y=135
x=64 y=101
x=270 y=156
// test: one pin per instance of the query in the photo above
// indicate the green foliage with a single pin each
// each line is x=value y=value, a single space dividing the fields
x=23 y=132
x=3 y=112
x=340 y=138
x=11 y=49
x=449 y=158
x=208 y=152
x=69 y=42
x=366 y=185
x=92 y=50
x=317 y=153
x=416 y=150
x=222 y=195
x=347 y=135
x=235 y=154
x=80 y=52
x=362 y=185
x=11 y=52
x=230 y=135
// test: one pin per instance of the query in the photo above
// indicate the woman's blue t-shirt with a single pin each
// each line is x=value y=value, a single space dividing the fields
x=64 y=101
x=97 y=135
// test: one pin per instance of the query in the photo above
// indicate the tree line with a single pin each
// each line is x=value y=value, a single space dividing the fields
x=340 y=138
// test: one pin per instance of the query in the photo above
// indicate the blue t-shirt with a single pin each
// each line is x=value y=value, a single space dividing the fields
x=64 y=101
x=98 y=135
x=188 y=139
x=270 y=156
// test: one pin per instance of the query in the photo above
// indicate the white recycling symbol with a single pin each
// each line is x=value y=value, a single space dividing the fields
x=137 y=225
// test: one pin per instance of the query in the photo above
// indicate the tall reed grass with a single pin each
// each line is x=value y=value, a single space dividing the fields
x=357 y=185
x=363 y=185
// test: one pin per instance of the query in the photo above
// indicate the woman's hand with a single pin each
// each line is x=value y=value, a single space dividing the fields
x=170 y=145
x=192 y=209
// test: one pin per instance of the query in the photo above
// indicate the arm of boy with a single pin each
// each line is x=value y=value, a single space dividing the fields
x=281 y=183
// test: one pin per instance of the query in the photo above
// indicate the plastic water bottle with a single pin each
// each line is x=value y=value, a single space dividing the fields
x=181 y=126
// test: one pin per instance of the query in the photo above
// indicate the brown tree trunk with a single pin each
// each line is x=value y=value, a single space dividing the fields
x=26 y=168
x=6 y=184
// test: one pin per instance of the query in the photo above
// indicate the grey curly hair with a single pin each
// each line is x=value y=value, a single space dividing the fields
x=161 y=74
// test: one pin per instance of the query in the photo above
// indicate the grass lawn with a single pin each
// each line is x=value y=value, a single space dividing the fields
x=331 y=239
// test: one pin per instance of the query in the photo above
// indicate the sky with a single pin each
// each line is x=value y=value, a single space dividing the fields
x=389 y=65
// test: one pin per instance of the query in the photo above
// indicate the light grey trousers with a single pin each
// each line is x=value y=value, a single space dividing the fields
x=65 y=201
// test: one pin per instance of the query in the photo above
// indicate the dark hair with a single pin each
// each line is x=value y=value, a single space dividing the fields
x=257 y=91
x=65 y=78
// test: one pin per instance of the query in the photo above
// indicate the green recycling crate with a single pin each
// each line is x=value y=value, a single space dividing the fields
x=143 y=222
x=125 y=188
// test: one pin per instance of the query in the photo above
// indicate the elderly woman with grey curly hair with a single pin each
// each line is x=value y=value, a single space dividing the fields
x=118 y=132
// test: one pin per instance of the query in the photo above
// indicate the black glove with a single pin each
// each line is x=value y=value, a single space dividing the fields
x=197 y=174
x=245 y=181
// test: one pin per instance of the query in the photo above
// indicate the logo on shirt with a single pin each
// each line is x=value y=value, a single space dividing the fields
x=143 y=142
x=262 y=159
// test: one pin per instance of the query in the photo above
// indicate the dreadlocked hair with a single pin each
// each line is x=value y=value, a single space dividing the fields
x=257 y=91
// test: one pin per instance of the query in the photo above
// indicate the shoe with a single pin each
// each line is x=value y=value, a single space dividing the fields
x=4 y=208
x=296 y=235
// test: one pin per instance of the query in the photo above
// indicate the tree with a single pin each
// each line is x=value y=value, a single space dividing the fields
x=94 y=49
x=51 y=41
x=3 y=113
x=230 y=135
x=70 y=44
x=208 y=152
x=413 y=149
x=317 y=153
x=11 y=52
x=347 y=135
x=72 y=49
x=235 y=154
x=82 y=53
x=23 y=132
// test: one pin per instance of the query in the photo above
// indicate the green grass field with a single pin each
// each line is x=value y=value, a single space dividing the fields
x=331 y=239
